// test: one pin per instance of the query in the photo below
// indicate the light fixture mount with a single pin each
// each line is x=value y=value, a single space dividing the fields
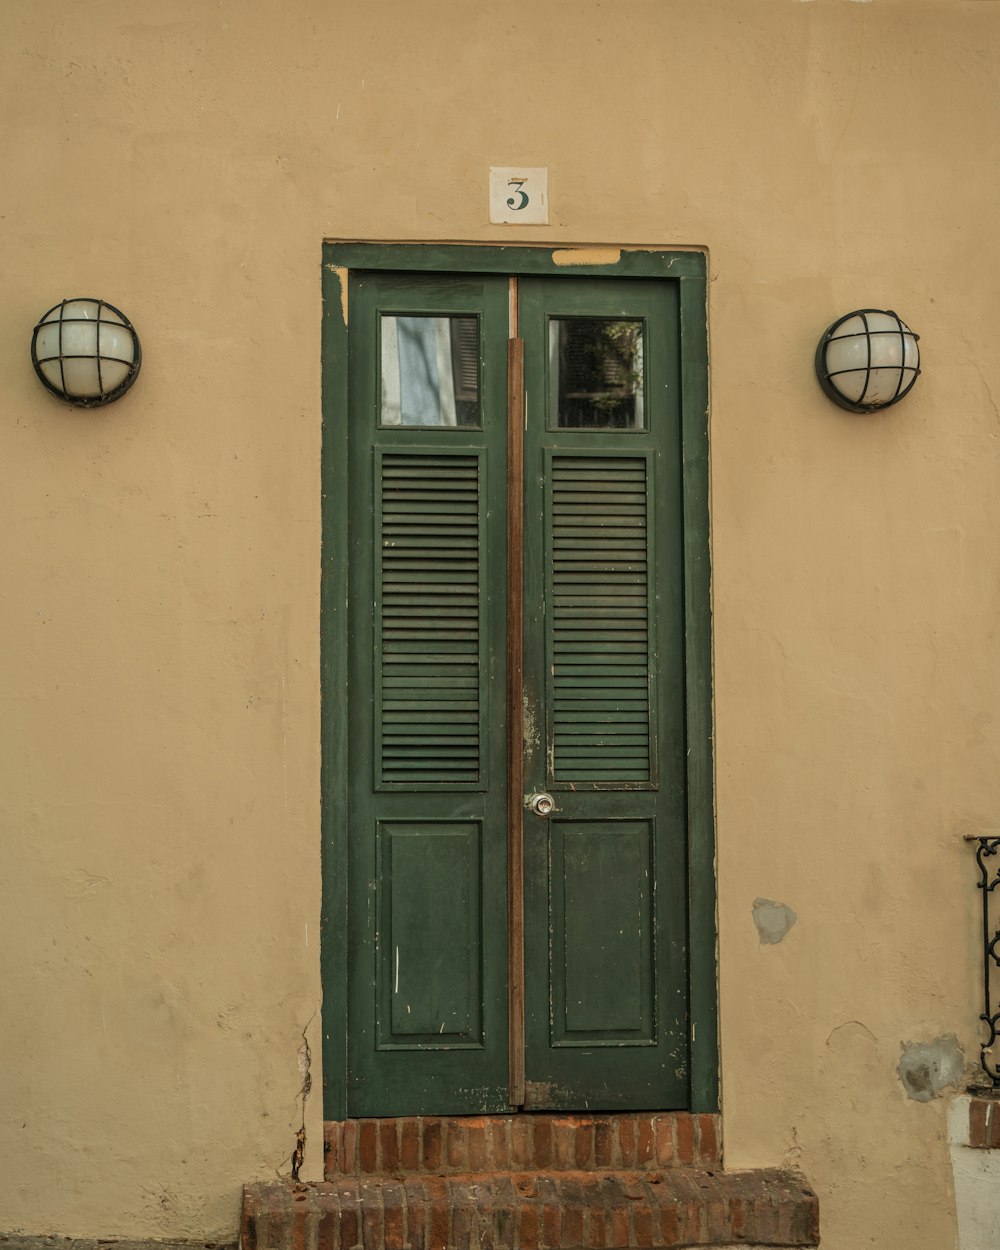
x=86 y=352
x=868 y=360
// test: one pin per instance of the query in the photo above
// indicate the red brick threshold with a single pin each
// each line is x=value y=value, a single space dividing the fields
x=455 y=1145
x=533 y=1211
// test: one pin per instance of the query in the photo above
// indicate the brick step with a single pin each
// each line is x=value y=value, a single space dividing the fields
x=533 y=1211
x=526 y=1142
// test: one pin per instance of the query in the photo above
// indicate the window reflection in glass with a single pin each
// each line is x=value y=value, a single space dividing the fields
x=430 y=371
x=595 y=373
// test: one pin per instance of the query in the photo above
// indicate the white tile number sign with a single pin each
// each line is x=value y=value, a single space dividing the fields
x=519 y=196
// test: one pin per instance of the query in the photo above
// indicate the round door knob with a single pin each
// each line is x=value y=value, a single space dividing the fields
x=542 y=804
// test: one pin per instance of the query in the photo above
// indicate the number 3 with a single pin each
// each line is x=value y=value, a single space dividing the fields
x=519 y=183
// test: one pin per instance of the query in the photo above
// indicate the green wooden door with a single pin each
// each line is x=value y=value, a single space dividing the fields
x=427 y=722
x=604 y=893
x=434 y=936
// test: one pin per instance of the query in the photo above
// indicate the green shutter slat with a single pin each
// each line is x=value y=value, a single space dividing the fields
x=580 y=676
x=443 y=546
x=576 y=597
x=461 y=652
x=600 y=619
x=428 y=628
x=631 y=573
x=575 y=736
x=623 y=529
x=626 y=749
x=611 y=643
x=593 y=709
x=429 y=752
x=400 y=680
x=406 y=654
x=602 y=612
x=421 y=728
x=601 y=627
x=441 y=598
x=589 y=712
x=446 y=700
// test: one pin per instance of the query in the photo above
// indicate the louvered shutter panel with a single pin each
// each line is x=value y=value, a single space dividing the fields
x=465 y=357
x=428 y=629
x=602 y=665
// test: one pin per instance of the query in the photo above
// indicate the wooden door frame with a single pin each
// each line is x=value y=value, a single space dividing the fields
x=689 y=269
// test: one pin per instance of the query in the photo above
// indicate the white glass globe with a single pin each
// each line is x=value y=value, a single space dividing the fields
x=868 y=359
x=86 y=351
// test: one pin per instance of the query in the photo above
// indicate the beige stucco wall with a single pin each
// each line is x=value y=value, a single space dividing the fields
x=159 y=797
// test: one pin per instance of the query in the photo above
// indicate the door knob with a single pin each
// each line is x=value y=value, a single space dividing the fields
x=542 y=804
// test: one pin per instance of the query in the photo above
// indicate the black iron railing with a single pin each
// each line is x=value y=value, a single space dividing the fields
x=988 y=848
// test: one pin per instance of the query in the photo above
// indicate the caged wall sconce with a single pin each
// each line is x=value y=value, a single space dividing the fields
x=86 y=351
x=868 y=360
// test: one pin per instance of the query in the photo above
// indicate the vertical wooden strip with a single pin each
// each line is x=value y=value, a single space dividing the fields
x=515 y=710
x=333 y=683
x=698 y=684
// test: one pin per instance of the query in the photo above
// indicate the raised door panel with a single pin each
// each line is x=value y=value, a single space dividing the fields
x=602 y=969
x=430 y=935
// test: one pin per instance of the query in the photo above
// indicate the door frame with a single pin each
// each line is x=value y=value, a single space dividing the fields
x=689 y=269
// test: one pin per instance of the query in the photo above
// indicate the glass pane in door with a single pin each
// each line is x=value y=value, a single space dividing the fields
x=596 y=373
x=429 y=371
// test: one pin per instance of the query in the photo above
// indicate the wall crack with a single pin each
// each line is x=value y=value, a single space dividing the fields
x=305 y=1089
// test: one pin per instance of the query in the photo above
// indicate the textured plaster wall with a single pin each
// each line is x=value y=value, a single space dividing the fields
x=159 y=793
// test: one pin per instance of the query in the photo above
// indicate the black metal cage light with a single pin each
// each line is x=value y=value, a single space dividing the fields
x=868 y=360
x=86 y=351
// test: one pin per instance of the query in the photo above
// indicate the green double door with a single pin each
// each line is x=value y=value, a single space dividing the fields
x=516 y=880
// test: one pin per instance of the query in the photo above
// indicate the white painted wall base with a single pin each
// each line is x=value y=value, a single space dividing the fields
x=977 y=1183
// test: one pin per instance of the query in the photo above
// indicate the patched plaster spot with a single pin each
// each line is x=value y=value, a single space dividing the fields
x=773 y=920
x=927 y=1068
x=587 y=256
